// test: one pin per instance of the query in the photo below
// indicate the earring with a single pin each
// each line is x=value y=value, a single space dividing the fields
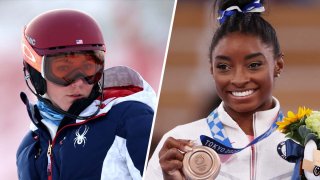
x=278 y=75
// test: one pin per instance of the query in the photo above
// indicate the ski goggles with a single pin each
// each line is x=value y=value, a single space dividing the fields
x=65 y=68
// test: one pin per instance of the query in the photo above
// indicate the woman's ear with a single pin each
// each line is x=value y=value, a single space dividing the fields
x=211 y=67
x=278 y=65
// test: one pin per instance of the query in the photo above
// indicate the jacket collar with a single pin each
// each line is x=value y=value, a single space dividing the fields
x=262 y=120
x=122 y=84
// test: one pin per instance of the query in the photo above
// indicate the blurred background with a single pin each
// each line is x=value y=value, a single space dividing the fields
x=135 y=32
x=188 y=91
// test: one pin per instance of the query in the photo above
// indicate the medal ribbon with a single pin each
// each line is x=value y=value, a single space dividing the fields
x=221 y=143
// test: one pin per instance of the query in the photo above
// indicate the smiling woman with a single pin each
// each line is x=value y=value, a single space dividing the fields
x=245 y=62
x=244 y=70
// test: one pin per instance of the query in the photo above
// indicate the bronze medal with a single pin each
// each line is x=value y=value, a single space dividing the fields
x=201 y=163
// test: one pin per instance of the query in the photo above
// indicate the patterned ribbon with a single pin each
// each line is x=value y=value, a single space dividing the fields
x=293 y=153
x=221 y=143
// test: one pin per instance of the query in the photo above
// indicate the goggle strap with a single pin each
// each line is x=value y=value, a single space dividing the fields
x=42 y=67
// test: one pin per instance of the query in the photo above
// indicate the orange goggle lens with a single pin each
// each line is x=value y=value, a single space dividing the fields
x=65 y=68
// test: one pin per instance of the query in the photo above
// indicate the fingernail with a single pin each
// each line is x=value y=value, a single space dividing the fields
x=187 y=148
x=172 y=172
x=192 y=142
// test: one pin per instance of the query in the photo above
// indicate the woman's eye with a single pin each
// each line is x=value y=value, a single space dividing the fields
x=254 y=65
x=223 y=67
x=88 y=66
x=63 y=68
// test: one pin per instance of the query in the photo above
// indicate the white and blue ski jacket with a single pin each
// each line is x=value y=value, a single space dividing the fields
x=111 y=145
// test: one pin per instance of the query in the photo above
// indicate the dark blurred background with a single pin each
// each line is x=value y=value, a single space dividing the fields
x=188 y=91
x=135 y=33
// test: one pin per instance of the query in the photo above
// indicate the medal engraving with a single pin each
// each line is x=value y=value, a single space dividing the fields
x=200 y=163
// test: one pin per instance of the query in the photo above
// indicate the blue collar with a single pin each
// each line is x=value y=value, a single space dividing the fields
x=49 y=114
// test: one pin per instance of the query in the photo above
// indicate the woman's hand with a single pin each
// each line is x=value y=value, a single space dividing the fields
x=171 y=157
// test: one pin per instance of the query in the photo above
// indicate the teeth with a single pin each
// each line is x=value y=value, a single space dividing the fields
x=242 y=93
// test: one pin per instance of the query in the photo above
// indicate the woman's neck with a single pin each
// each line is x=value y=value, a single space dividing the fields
x=245 y=119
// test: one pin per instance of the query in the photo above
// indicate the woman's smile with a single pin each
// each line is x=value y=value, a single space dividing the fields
x=243 y=93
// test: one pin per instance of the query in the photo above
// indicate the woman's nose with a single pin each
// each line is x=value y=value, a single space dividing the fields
x=78 y=82
x=240 y=78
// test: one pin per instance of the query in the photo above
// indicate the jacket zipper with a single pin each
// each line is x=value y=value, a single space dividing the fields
x=253 y=153
x=253 y=162
x=49 y=167
x=51 y=144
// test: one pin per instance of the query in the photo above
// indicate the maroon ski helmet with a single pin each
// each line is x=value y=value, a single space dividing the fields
x=59 y=31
